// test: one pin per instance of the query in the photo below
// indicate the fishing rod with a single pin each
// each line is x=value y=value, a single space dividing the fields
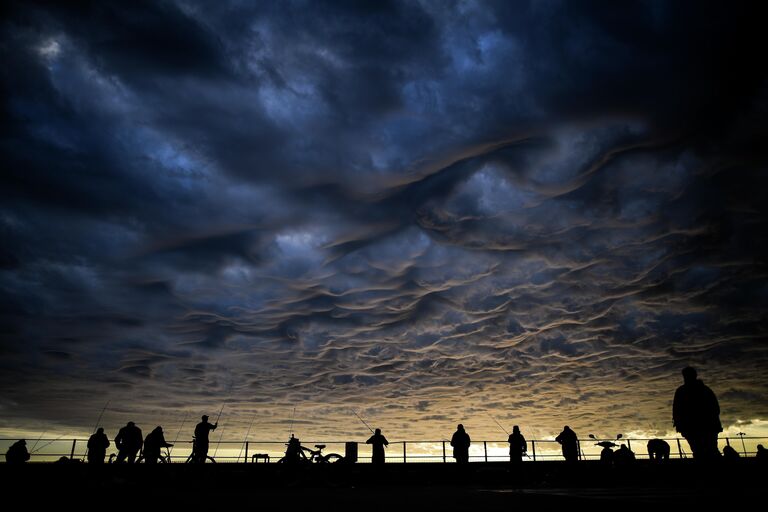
x=93 y=431
x=246 y=440
x=292 y=415
x=229 y=395
x=32 y=450
x=361 y=419
x=100 y=415
x=220 y=435
x=178 y=434
x=497 y=423
x=49 y=442
x=219 y=416
x=505 y=431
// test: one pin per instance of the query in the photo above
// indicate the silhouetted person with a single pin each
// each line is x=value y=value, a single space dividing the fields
x=570 y=444
x=658 y=450
x=762 y=454
x=154 y=442
x=623 y=456
x=460 y=442
x=696 y=415
x=97 y=447
x=517 y=445
x=293 y=451
x=201 y=443
x=606 y=454
x=17 y=453
x=730 y=454
x=378 y=442
x=128 y=442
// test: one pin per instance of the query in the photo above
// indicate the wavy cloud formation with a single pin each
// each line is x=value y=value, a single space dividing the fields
x=431 y=213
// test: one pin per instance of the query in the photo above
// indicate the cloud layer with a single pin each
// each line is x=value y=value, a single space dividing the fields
x=432 y=213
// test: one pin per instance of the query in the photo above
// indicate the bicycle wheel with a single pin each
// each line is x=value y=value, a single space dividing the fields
x=332 y=458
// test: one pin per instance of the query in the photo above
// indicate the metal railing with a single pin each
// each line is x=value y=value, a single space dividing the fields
x=42 y=450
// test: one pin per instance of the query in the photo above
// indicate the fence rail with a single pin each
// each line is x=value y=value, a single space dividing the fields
x=398 y=451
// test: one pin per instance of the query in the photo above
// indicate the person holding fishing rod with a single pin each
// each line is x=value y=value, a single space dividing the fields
x=97 y=447
x=517 y=446
x=293 y=450
x=201 y=443
x=377 y=442
x=17 y=453
x=98 y=441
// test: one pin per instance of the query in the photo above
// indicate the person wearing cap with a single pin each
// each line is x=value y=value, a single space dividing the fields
x=201 y=439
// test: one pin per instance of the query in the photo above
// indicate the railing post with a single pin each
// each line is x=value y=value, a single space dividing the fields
x=485 y=448
x=533 y=447
x=443 y=451
x=629 y=444
x=679 y=448
x=72 y=453
x=403 y=452
x=727 y=441
x=246 y=453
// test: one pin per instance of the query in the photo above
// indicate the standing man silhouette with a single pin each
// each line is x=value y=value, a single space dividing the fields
x=517 y=445
x=128 y=441
x=460 y=442
x=379 y=442
x=696 y=415
x=201 y=439
x=570 y=443
x=97 y=447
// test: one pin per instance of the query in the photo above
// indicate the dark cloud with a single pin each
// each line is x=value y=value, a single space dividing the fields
x=421 y=210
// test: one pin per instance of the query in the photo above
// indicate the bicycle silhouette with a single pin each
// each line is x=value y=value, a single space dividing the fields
x=165 y=458
x=315 y=456
x=195 y=457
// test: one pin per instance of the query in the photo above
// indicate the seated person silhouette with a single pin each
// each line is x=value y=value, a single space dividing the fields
x=293 y=451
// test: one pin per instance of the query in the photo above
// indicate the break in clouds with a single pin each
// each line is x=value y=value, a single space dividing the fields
x=425 y=211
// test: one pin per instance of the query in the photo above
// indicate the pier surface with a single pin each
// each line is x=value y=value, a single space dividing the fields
x=478 y=486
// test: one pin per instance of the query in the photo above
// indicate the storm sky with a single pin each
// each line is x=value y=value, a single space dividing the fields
x=428 y=212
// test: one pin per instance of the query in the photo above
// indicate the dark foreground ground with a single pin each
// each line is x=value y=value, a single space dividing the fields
x=396 y=487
